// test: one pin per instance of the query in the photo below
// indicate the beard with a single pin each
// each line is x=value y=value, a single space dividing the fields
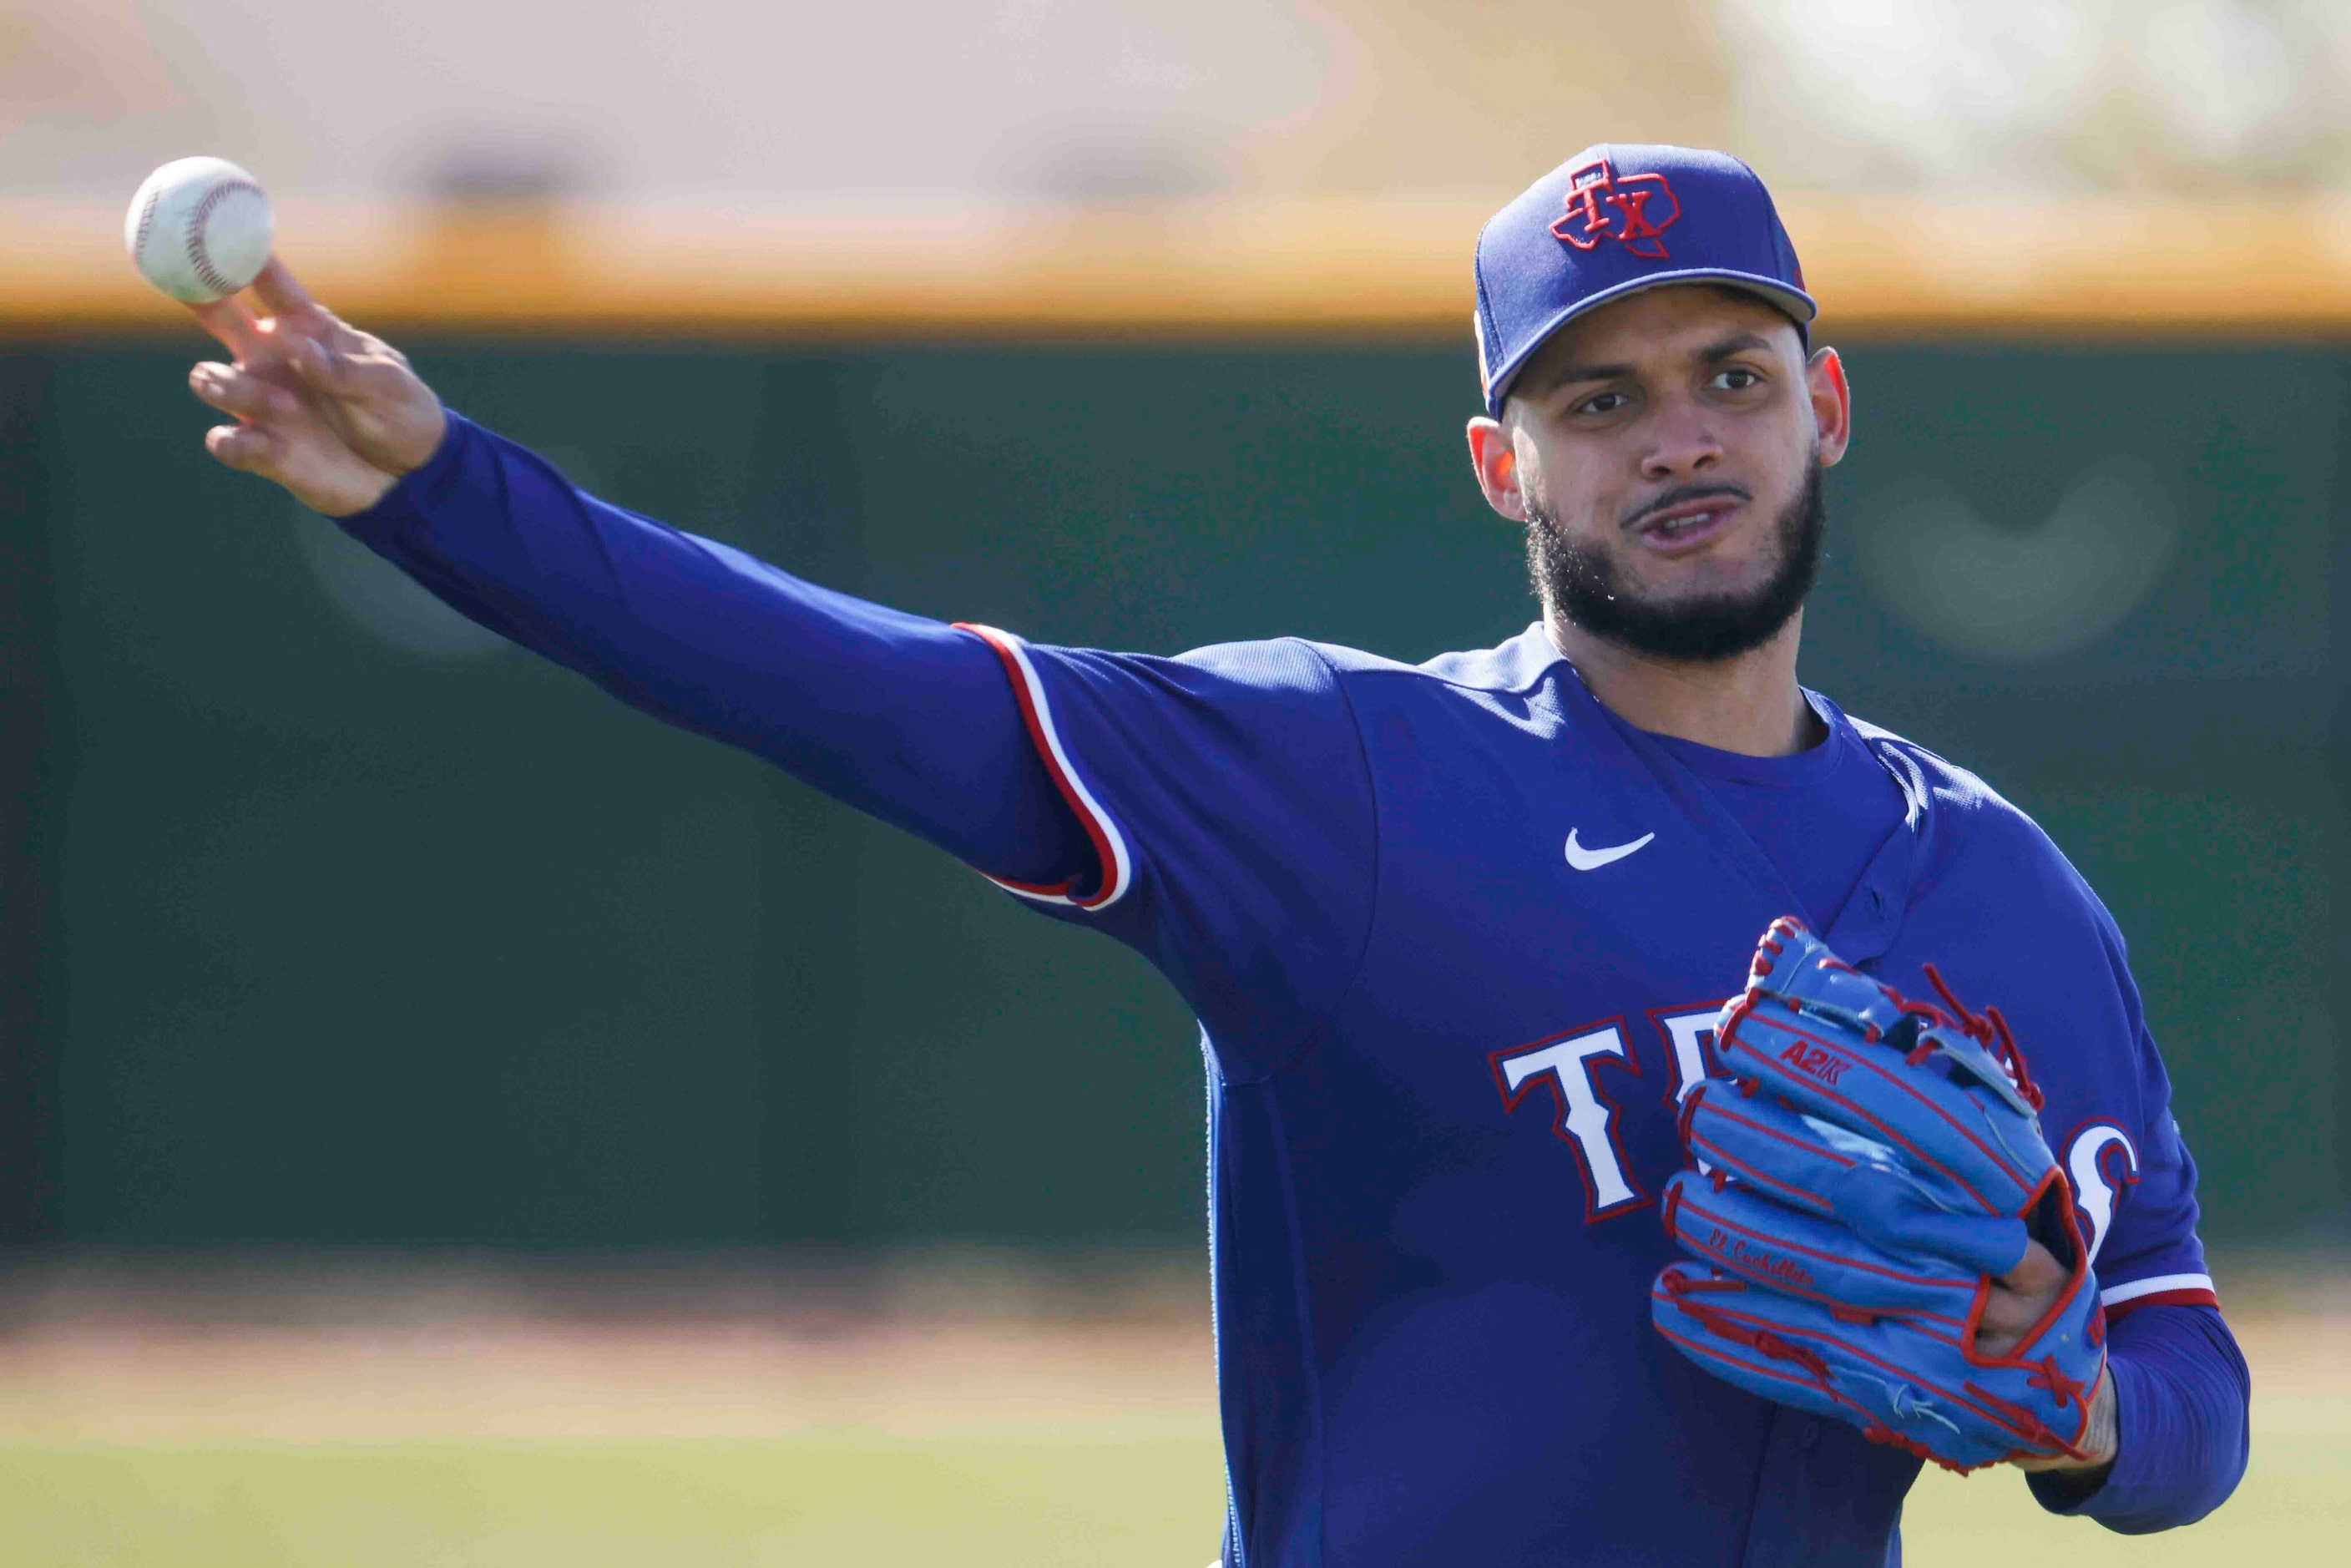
x=1581 y=581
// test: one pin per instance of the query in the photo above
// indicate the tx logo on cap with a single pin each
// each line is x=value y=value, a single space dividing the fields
x=1603 y=204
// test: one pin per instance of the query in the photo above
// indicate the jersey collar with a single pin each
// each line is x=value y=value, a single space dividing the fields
x=1872 y=917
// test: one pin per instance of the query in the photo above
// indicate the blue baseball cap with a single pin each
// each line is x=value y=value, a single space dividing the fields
x=1615 y=220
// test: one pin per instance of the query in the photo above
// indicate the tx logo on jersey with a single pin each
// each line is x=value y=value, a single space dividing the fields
x=1634 y=210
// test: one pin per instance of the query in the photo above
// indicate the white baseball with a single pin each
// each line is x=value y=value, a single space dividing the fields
x=199 y=229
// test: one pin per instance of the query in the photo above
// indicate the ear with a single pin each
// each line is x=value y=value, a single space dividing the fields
x=1494 y=453
x=1832 y=404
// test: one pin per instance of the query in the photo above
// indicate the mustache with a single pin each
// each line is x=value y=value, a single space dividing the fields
x=1680 y=494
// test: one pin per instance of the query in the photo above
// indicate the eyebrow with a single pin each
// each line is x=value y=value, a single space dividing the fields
x=1736 y=343
x=1720 y=349
x=1571 y=374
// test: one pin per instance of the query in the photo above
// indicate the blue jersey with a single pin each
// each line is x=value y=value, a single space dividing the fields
x=1457 y=935
x=1821 y=815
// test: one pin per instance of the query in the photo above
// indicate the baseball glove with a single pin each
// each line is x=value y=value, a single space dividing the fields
x=1869 y=1165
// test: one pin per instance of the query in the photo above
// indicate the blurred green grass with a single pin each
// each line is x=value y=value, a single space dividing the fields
x=1142 y=1492
x=2293 y=1506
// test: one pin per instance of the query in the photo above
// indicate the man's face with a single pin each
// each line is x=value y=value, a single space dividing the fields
x=1664 y=453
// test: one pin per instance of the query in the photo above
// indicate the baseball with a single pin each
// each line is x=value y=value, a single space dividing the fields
x=199 y=229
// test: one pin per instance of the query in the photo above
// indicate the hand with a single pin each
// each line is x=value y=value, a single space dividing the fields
x=333 y=414
x=2018 y=1300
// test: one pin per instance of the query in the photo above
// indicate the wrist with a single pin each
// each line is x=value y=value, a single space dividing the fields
x=396 y=495
x=2099 y=1442
x=361 y=493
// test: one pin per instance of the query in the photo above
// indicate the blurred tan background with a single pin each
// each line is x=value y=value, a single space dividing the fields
x=1259 y=163
x=1017 y=100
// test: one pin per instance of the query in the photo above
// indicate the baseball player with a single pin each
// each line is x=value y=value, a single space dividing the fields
x=1459 y=933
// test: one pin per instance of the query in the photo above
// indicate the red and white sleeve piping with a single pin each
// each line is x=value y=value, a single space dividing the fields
x=1037 y=713
x=2160 y=1290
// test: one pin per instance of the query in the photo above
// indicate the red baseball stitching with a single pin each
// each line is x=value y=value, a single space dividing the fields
x=199 y=259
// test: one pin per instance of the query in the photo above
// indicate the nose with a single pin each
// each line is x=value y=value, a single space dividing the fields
x=1683 y=443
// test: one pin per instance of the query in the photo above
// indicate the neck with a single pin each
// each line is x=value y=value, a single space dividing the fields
x=1750 y=705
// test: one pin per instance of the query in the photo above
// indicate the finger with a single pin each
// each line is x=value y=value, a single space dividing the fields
x=1999 y=1328
x=283 y=292
x=339 y=335
x=229 y=321
x=323 y=367
x=2019 y=1299
x=243 y=446
x=339 y=373
x=240 y=393
x=312 y=320
x=2008 y=1313
x=364 y=345
x=2037 y=1276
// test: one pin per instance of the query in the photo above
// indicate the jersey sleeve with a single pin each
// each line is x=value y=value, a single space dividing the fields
x=900 y=716
x=2107 y=1116
x=1228 y=802
x=2149 y=1252
x=2131 y=1171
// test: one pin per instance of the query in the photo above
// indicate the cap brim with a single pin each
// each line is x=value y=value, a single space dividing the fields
x=1794 y=302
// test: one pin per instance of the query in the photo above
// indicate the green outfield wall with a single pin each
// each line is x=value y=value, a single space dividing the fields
x=328 y=918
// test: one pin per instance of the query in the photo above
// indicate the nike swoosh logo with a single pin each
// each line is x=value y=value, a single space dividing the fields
x=1583 y=859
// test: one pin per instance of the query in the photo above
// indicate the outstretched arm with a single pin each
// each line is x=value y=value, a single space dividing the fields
x=903 y=717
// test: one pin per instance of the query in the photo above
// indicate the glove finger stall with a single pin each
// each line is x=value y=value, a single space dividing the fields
x=1959 y=1142
x=1824 y=1169
x=1757 y=1140
x=1897 y=1380
x=1817 y=1260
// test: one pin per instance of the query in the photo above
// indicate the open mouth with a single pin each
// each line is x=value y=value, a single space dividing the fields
x=1688 y=523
